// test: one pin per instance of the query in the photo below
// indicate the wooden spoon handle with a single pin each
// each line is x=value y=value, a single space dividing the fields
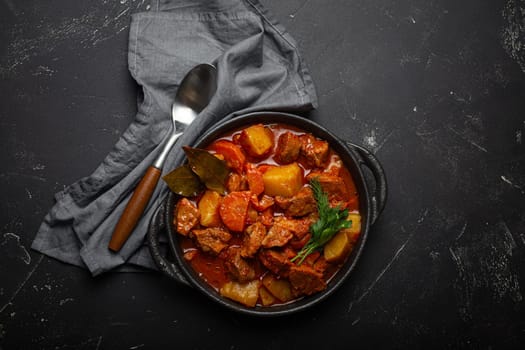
x=135 y=208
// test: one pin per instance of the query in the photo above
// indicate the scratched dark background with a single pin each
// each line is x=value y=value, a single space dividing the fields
x=436 y=89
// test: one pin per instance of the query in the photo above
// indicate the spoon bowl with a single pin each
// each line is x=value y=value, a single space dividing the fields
x=196 y=89
x=194 y=93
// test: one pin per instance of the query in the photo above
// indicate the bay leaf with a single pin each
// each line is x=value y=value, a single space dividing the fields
x=210 y=169
x=183 y=181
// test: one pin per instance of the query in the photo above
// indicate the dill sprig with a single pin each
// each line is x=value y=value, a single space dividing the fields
x=330 y=221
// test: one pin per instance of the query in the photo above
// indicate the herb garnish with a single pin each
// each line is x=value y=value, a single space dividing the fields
x=330 y=221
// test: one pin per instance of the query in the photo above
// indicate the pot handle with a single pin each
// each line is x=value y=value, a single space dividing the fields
x=379 y=196
x=156 y=227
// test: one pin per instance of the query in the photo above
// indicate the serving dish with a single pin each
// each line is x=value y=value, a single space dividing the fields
x=372 y=198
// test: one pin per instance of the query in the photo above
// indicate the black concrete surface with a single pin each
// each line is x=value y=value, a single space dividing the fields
x=436 y=89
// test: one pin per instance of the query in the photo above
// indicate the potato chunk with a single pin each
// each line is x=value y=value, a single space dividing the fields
x=209 y=209
x=280 y=288
x=266 y=297
x=284 y=180
x=257 y=140
x=244 y=293
x=354 y=230
x=338 y=247
x=356 y=222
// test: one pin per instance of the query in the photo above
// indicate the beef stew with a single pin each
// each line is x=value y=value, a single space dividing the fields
x=243 y=242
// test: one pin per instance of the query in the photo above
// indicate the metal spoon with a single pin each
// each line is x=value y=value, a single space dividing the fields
x=194 y=93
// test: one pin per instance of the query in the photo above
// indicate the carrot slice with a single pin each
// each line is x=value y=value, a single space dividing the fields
x=254 y=178
x=234 y=210
x=233 y=155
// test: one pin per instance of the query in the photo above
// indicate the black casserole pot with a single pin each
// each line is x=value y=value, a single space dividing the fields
x=372 y=191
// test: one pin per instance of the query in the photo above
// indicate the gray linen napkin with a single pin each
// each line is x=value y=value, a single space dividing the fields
x=259 y=68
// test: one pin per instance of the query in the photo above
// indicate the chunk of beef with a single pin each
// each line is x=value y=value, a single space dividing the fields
x=252 y=215
x=334 y=186
x=314 y=151
x=299 y=227
x=236 y=182
x=317 y=261
x=239 y=268
x=263 y=203
x=276 y=261
x=288 y=148
x=266 y=217
x=186 y=216
x=253 y=237
x=321 y=266
x=298 y=243
x=302 y=203
x=277 y=236
x=211 y=240
x=310 y=259
x=305 y=280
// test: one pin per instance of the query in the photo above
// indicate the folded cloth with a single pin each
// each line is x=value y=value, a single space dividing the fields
x=259 y=68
